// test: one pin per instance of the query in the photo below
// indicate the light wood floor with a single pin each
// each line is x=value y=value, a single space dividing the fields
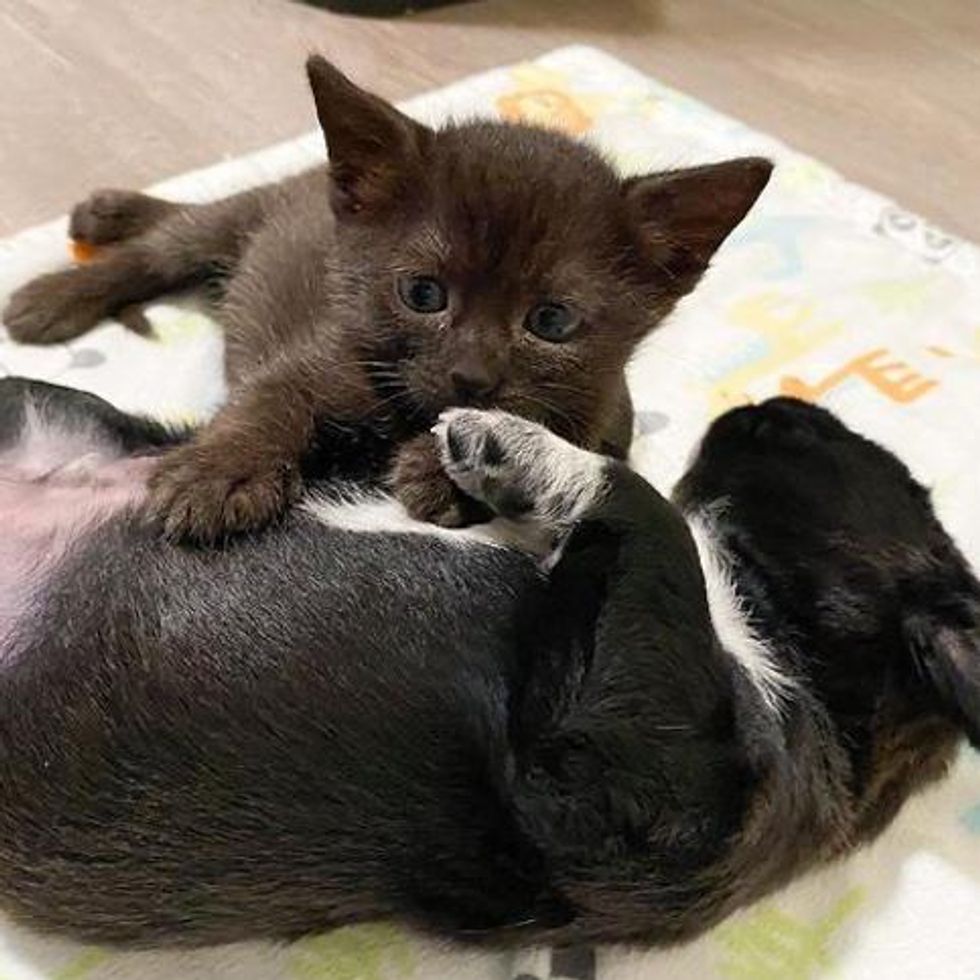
x=126 y=92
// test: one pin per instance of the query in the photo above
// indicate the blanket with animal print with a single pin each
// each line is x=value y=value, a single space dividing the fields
x=827 y=292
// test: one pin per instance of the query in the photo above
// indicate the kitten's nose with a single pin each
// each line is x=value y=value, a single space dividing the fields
x=474 y=382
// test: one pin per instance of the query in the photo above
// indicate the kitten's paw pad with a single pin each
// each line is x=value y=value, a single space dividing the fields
x=195 y=498
x=54 y=308
x=109 y=216
x=518 y=468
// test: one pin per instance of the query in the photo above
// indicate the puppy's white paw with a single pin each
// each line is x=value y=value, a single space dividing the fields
x=521 y=470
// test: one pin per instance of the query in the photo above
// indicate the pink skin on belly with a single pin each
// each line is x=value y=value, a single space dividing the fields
x=52 y=490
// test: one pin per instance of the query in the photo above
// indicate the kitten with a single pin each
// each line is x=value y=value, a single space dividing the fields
x=481 y=264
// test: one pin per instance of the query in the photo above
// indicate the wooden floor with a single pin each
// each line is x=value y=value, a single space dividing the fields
x=126 y=92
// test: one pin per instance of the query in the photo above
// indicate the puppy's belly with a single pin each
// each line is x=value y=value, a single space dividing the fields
x=43 y=511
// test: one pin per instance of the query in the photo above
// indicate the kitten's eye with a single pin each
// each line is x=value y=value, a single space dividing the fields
x=555 y=322
x=422 y=294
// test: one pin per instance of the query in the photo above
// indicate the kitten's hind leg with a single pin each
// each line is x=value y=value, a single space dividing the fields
x=107 y=217
x=153 y=247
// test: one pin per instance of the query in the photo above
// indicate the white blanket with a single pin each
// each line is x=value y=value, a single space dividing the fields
x=827 y=291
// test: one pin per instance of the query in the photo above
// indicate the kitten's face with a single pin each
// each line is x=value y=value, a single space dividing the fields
x=508 y=277
x=492 y=264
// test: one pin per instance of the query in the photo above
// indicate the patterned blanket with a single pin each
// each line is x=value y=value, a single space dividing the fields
x=828 y=292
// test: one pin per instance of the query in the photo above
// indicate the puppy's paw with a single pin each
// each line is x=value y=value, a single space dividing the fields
x=109 y=216
x=519 y=469
x=54 y=308
x=203 y=494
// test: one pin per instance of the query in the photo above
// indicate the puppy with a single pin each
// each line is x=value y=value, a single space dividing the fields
x=354 y=715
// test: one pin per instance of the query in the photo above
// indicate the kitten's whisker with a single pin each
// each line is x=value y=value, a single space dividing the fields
x=559 y=387
x=575 y=424
x=391 y=398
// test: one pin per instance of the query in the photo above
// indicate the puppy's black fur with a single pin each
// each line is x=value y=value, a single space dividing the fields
x=315 y=726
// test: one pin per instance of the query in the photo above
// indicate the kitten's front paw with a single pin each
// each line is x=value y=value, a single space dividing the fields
x=426 y=492
x=433 y=501
x=519 y=469
x=54 y=308
x=205 y=494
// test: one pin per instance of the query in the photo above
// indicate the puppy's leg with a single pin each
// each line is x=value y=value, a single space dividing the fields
x=520 y=469
x=68 y=462
x=627 y=556
x=630 y=699
x=76 y=420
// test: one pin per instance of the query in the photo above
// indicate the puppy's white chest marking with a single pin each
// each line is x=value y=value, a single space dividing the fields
x=380 y=513
x=730 y=618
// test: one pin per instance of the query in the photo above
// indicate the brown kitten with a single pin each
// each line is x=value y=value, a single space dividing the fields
x=479 y=264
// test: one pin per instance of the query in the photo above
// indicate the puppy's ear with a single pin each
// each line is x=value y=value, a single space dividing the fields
x=947 y=651
x=374 y=149
x=685 y=215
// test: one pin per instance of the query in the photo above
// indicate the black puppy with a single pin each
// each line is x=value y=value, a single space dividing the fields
x=354 y=716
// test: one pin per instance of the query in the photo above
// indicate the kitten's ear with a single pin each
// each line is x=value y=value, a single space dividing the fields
x=947 y=652
x=374 y=149
x=686 y=214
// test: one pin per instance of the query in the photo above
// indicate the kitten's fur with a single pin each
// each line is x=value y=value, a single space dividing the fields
x=506 y=217
x=314 y=726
